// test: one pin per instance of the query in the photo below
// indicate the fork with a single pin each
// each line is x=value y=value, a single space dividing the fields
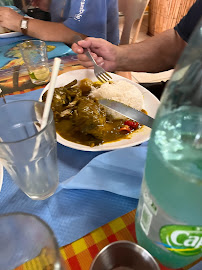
x=99 y=72
x=2 y=95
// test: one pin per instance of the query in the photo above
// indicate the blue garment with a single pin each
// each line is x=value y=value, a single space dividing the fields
x=186 y=26
x=95 y=18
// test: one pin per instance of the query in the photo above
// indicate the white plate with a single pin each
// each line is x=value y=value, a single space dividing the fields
x=151 y=104
x=10 y=34
x=1 y=176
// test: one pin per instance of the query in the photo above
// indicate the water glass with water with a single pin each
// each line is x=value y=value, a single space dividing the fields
x=28 y=152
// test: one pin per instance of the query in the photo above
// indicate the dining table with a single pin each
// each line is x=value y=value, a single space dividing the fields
x=97 y=197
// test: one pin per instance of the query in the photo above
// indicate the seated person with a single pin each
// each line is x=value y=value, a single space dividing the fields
x=95 y=18
x=155 y=54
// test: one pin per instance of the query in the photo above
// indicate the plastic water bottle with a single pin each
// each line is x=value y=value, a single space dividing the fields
x=169 y=214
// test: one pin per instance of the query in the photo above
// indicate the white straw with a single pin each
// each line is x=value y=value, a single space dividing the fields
x=56 y=66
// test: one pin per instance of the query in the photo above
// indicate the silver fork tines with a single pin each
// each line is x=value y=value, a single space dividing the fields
x=99 y=72
x=2 y=95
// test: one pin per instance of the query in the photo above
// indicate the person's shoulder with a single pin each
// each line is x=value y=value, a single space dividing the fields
x=187 y=24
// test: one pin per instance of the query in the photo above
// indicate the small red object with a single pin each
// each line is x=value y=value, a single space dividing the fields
x=132 y=124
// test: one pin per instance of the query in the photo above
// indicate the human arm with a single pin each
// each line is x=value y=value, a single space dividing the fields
x=44 y=30
x=154 y=54
x=104 y=52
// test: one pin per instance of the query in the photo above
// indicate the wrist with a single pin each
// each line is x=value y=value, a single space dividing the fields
x=121 y=59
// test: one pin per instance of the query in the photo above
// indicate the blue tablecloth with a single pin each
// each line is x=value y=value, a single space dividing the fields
x=10 y=40
x=7 y=44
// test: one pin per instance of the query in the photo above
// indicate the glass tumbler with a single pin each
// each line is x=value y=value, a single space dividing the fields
x=27 y=240
x=36 y=60
x=28 y=152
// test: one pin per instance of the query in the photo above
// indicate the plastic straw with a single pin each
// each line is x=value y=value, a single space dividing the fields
x=49 y=98
x=56 y=65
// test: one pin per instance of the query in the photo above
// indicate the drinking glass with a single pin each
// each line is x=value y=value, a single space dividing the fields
x=27 y=240
x=28 y=152
x=36 y=60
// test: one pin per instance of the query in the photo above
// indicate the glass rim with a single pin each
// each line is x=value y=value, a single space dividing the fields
x=50 y=119
x=32 y=40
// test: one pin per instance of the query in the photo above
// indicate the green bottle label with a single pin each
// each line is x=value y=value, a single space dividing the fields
x=181 y=239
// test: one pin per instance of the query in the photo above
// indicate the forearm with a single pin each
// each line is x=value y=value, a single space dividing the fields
x=50 y=31
x=40 y=29
x=155 y=54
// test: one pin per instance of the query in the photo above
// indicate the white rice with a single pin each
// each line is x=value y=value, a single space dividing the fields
x=121 y=91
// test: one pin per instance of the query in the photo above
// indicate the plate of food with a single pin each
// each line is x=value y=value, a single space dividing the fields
x=83 y=124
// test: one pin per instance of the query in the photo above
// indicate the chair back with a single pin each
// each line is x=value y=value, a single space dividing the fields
x=132 y=10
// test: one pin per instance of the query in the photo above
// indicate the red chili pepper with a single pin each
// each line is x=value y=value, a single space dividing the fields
x=125 y=129
x=132 y=124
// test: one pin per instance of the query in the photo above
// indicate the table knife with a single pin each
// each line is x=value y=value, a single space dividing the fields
x=127 y=111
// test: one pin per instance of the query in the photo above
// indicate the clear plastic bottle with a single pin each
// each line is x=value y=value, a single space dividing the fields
x=169 y=214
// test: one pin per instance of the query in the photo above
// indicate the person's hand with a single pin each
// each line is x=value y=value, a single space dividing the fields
x=104 y=53
x=42 y=4
x=10 y=19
